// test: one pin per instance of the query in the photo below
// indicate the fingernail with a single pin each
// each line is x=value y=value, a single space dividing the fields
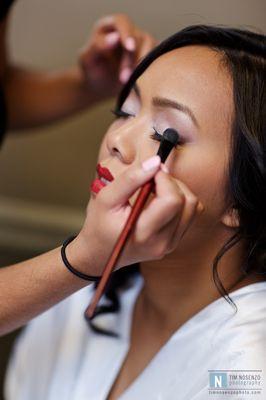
x=164 y=168
x=130 y=44
x=124 y=75
x=200 y=207
x=112 y=38
x=151 y=163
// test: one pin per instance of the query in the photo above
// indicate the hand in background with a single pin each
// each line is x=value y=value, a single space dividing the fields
x=114 y=49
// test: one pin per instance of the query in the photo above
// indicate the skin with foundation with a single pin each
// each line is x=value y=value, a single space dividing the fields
x=195 y=97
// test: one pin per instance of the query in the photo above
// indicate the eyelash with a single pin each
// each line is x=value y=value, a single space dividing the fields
x=118 y=113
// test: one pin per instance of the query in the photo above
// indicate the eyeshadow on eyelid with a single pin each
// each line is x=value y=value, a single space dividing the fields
x=165 y=117
x=168 y=117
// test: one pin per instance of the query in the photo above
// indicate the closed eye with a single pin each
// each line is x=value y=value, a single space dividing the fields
x=118 y=113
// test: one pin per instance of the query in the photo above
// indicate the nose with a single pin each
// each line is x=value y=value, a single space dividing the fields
x=122 y=142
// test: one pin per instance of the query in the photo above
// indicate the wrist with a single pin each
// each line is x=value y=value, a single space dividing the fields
x=98 y=80
x=79 y=90
x=79 y=255
x=85 y=95
x=89 y=89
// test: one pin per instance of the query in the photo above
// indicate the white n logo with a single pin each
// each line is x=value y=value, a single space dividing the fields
x=218 y=381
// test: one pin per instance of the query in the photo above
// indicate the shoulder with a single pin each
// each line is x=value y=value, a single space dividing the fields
x=242 y=336
x=237 y=345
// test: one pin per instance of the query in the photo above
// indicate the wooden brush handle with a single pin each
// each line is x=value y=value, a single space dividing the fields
x=120 y=243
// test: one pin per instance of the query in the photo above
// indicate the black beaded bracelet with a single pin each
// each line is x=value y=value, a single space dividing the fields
x=72 y=269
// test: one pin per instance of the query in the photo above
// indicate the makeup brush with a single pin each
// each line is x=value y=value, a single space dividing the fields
x=170 y=139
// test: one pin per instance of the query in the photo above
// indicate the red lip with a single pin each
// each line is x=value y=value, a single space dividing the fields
x=98 y=184
x=104 y=173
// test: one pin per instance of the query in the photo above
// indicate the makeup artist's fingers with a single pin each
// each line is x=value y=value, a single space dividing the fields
x=100 y=46
x=145 y=43
x=171 y=234
x=192 y=208
x=115 y=22
x=166 y=205
x=113 y=50
x=131 y=41
x=109 y=45
x=126 y=66
x=134 y=42
x=168 y=216
x=127 y=31
x=122 y=26
x=117 y=193
x=103 y=49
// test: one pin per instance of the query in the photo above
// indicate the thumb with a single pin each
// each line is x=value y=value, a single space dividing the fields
x=124 y=186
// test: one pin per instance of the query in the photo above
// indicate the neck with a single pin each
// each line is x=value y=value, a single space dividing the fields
x=181 y=284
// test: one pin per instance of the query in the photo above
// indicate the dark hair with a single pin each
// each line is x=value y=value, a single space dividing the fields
x=243 y=54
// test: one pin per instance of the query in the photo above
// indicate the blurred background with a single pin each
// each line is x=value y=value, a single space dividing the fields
x=45 y=173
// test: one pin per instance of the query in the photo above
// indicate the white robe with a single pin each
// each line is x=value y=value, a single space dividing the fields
x=57 y=357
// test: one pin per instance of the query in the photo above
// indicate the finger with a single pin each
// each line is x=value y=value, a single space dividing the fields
x=164 y=238
x=126 y=30
x=165 y=182
x=192 y=208
x=111 y=39
x=96 y=57
x=109 y=45
x=146 y=44
x=165 y=206
x=169 y=236
x=126 y=67
x=105 y=24
x=117 y=193
x=121 y=24
x=100 y=44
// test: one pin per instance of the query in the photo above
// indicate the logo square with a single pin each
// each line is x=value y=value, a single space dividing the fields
x=218 y=380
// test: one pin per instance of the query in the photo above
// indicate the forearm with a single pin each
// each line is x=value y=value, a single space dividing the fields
x=37 y=98
x=31 y=287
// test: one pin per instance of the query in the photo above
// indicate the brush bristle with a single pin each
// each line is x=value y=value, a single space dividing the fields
x=171 y=135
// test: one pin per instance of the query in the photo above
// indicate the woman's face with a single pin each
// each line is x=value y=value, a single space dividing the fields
x=187 y=89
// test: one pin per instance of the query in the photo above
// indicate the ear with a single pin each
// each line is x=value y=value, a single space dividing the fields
x=231 y=218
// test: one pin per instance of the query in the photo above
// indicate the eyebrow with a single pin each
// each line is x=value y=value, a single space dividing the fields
x=168 y=103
